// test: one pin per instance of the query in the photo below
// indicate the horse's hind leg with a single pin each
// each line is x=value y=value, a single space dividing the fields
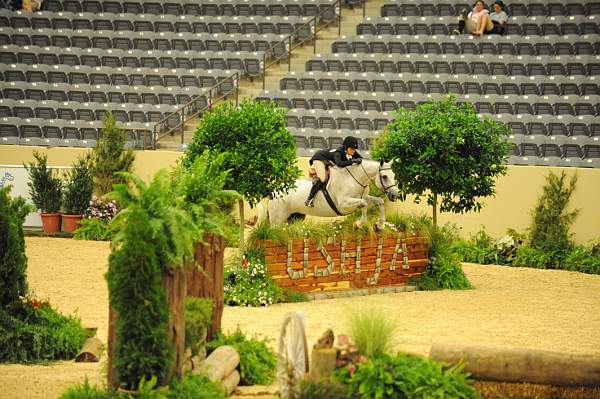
x=278 y=213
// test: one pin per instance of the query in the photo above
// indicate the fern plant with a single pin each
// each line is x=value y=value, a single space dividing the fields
x=198 y=190
x=173 y=230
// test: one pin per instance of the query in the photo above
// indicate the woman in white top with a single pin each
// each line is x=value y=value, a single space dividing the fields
x=478 y=19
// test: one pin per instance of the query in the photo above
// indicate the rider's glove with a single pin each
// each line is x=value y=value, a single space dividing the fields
x=356 y=160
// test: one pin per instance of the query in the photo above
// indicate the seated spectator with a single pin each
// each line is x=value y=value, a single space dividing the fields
x=498 y=18
x=470 y=21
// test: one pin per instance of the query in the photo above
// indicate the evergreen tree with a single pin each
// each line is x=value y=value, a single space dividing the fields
x=13 y=262
x=110 y=156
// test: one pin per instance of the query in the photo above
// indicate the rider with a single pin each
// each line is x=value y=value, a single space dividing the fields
x=343 y=156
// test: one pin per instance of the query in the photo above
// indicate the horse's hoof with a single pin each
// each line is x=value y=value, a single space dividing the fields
x=379 y=227
x=357 y=225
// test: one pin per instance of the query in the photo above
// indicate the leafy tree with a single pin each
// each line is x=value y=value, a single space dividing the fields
x=549 y=231
x=79 y=187
x=45 y=188
x=259 y=152
x=13 y=262
x=445 y=151
x=109 y=156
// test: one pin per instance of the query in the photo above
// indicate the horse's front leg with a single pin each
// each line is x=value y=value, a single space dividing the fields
x=379 y=202
x=348 y=205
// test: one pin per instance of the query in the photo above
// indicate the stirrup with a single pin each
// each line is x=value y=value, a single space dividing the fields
x=310 y=202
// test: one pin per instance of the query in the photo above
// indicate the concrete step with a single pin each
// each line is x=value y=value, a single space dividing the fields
x=251 y=88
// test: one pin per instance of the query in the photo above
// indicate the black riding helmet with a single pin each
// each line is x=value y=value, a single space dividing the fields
x=350 y=142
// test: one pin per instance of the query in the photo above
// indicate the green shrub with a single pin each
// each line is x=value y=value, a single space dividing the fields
x=45 y=188
x=264 y=231
x=323 y=389
x=93 y=229
x=79 y=187
x=402 y=376
x=372 y=331
x=293 y=296
x=250 y=285
x=13 y=262
x=195 y=387
x=549 y=230
x=444 y=270
x=198 y=314
x=33 y=332
x=257 y=360
x=532 y=257
x=87 y=391
x=583 y=259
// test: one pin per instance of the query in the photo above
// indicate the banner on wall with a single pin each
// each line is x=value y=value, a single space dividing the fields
x=17 y=177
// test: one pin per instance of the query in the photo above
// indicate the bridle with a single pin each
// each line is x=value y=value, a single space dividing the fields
x=364 y=186
x=385 y=189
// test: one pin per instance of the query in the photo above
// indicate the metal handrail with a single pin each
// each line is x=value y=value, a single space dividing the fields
x=190 y=110
x=290 y=44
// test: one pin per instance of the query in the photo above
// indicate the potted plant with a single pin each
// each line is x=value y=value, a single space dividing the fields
x=45 y=190
x=77 y=193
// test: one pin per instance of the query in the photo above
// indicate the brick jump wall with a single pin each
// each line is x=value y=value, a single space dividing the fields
x=354 y=263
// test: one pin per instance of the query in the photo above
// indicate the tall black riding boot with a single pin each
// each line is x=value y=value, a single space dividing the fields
x=310 y=201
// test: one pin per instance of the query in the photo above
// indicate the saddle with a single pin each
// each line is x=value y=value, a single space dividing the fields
x=312 y=176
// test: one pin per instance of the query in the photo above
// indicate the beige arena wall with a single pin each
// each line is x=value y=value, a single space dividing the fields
x=516 y=193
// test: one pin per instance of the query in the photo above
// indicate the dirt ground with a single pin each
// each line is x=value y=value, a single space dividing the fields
x=546 y=309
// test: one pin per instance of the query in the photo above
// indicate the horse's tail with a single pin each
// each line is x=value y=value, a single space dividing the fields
x=263 y=211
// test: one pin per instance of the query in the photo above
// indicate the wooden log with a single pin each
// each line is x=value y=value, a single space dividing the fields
x=322 y=363
x=205 y=277
x=112 y=335
x=510 y=364
x=219 y=364
x=175 y=288
x=90 y=352
x=231 y=382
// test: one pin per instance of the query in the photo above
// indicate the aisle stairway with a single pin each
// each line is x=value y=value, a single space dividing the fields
x=351 y=17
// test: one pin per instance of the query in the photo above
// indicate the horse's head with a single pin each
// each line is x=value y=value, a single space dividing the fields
x=386 y=181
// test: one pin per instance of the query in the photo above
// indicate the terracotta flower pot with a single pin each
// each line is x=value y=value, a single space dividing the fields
x=51 y=222
x=71 y=222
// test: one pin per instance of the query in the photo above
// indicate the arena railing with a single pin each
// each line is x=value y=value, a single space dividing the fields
x=194 y=108
x=294 y=40
x=315 y=24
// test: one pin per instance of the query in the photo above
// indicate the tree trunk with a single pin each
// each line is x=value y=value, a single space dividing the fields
x=205 y=277
x=322 y=363
x=113 y=317
x=242 y=226
x=175 y=288
x=435 y=201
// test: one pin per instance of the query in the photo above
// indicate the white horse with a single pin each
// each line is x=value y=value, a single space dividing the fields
x=348 y=188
